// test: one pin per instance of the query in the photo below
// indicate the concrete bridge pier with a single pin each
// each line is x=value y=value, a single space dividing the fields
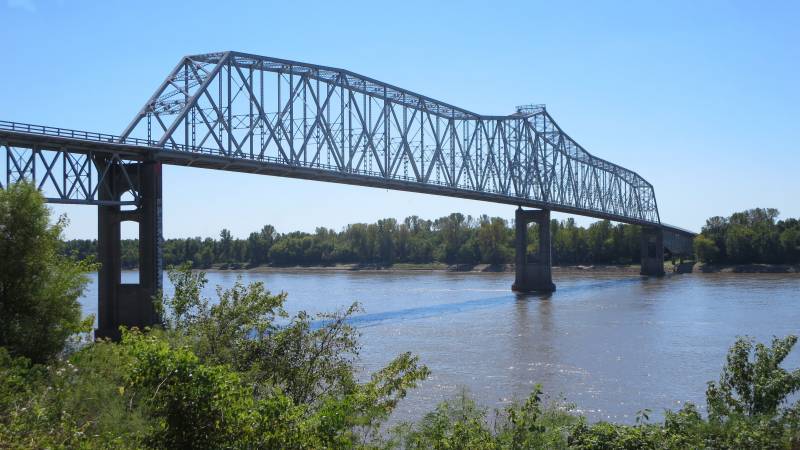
x=652 y=251
x=128 y=304
x=533 y=275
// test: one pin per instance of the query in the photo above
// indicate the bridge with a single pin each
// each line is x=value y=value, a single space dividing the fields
x=255 y=114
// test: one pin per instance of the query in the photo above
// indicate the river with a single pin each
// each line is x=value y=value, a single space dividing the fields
x=613 y=344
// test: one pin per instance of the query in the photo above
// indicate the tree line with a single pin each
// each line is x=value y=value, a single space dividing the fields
x=752 y=236
x=452 y=239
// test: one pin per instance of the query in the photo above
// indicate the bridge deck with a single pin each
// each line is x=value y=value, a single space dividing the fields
x=15 y=136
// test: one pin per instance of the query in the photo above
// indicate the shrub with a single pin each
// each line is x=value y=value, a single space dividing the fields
x=39 y=288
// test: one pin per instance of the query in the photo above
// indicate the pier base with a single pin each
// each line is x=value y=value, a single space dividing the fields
x=652 y=251
x=534 y=274
x=128 y=304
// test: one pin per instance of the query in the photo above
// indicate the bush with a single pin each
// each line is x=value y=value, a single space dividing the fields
x=80 y=402
x=39 y=288
x=193 y=405
x=459 y=423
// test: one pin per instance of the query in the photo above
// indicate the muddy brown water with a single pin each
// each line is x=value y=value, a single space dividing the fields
x=612 y=343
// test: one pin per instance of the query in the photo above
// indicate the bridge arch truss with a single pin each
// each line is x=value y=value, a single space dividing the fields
x=303 y=119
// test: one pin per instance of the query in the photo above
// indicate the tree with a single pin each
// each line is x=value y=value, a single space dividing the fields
x=258 y=245
x=39 y=287
x=739 y=244
x=204 y=257
x=454 y=233
x=293 y=248
x=705 y=249
x=225 y=245
x=790 y=244
x=493 y=239
x=356 y=240
x=751 y=236
x=197 y=406
x=386 y=231
x=716 y=228
x=753 y=383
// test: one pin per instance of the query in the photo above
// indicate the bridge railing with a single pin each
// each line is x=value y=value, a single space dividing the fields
x=68 y=133
x=114 y=139
x=243 y=155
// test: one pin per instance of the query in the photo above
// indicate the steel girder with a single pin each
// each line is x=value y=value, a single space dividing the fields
x=69 y=174
x=302 y=115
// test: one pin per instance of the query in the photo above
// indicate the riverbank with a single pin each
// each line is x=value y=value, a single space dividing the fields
x=747 y=268
x=408 y=267
x=509 y=268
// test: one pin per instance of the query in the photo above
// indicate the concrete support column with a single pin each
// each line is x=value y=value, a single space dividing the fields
x=128 y=304
x=533 y=274
x=652 y=251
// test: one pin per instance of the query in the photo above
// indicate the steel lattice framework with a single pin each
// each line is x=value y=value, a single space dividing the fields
x=69 y=166
x=318 y=122
x=238 y=112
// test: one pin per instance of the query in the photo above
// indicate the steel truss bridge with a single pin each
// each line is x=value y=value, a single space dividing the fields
x=247 y=113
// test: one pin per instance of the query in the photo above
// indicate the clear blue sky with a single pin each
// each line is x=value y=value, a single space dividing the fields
x=700 y=98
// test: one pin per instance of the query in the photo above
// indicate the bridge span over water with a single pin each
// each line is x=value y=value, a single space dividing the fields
x=247 y=113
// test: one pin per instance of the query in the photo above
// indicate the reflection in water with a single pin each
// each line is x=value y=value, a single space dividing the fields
x=611 y=343
x=532 y=343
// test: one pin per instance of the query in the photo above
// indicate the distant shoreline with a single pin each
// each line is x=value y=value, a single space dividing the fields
x=509 y=268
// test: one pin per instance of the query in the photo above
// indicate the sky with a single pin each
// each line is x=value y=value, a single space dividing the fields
x=700 y=98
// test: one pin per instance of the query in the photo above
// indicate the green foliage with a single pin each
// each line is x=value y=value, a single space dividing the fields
x=308 y=361
x=80 y=402
x=533 y=425
x=494 y=239
x=747 y=409
x=292 y=249
x=305 y=361
x=740 y=244
x=752 y=383
x=609 y=436
x=460 y=423
x=39 y=287
x=752 y=236
x=259 y=244
x=455 y=424
x=241 y=330
x=154 y=390
x=790 y=241
x=453 y=239
x=705 y=249
x=193 y=405
x=240 y=373
x=206 y=382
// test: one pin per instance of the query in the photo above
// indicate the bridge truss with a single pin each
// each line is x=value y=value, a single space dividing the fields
x=70 y=166
x=238 y=112
x=230 y=110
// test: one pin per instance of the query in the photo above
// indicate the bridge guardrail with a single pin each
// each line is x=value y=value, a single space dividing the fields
x=114 y=139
